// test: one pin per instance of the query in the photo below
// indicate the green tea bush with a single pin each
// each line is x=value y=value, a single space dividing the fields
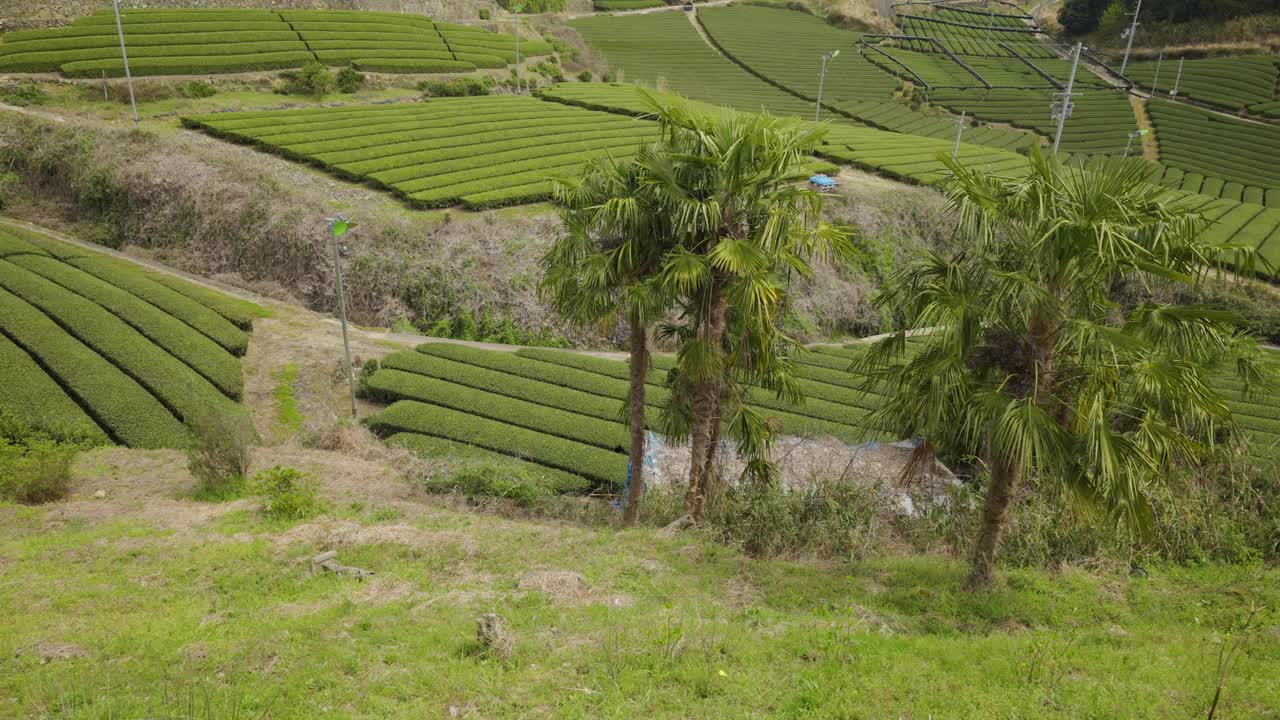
x=349 y=80
x=465 y=86
x=535 y=6
x=485 y=14
x=584 y=76
x=289 y=494
x=312 y=79
x=523 y=486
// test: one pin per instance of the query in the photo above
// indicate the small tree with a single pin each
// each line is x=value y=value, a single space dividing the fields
x=221 y=451
x=1030 y=366
x=601 y=269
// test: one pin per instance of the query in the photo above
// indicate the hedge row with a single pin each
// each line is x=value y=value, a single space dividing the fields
x=240 y=313
x=396 y=384
x=126 y=276
x=602 y=466
x=1231 y=82
x=11 y=245
x=394 y=65
x=437 y=449
x=608 y=5
x=187 y=65
x=179 y=387
x=146 y=57
x=145 y=40
x=27 y=391
x=561 y=375
x=203 y=355
x=117 y=403
x=496 y=381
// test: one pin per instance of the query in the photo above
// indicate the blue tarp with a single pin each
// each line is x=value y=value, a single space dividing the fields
x=822 y=180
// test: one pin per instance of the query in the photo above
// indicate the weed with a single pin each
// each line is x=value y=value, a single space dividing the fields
x=290 y=493
x=220 y=452
x=288 y=416
x=35 y=465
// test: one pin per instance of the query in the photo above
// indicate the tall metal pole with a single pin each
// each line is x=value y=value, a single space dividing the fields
x=1065 y=110
x=516 y=9
x=1155 y=81
x=124 y=55
x=338 y=226
x=1133 y=30
x=1178 y=81
x=822 y=77
x=955 y=151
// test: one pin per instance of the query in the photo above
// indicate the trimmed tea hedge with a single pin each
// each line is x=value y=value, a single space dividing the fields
x=1230 y=82
x=27 y=392
x=120 y=406
x=435 y=448
x=130 y=353
x=392 y=383
x=478 y=151
x=1212 y=145
x=179 y=42
x=602 y=466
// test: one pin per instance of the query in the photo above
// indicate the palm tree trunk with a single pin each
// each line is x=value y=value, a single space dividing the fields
x=1004 y=483
x=713 y=447
x=635 y=455
x=705 y=407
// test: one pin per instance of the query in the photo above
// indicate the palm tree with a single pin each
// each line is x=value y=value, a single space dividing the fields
x=740 y=223
x=1033 y=368
x=601 y=268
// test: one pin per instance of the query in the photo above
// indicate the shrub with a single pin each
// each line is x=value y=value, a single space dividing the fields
x=311 y=79
x=35 y=465
x=349 y=80
x=500 y=480
x=485 y=14
x=535 y=6
x=290 y=493
x=23 y=94
x=458 y=87
x=221 y=451
x=584 y=76
x=8 y=187
x=196 y=89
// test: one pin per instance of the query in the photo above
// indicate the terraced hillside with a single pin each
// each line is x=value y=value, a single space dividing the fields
x=182 y=42
x=1234 y=83
x=971 y=32
x=95 y=346
x=478 y=151
x=1211 y=148
x=664 y=50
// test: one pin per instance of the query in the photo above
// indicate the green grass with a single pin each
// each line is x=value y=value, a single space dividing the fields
x=288 y=415
x=670 y=627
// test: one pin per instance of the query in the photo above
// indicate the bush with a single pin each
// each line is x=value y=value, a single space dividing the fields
x=349 y=80
x=23 y=94
x=466 y=86
x=8 y=187
x=523 y=486
x=290 y=493
x=312 y=79
x=35 y=465
x=584 y=76
x=535 y=6
x=196 y=89
x=485 y=14
x=221 y=451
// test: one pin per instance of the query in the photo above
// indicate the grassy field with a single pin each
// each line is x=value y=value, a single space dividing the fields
x=98 y=346
x=111 y=605
x=188 y=42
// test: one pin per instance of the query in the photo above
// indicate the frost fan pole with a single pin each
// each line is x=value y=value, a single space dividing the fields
x=822 y=77
x=339 y=226
x=955 y=151
x=124 y=55
x=1133 y=30
x=516 y=9
x=1062 y=110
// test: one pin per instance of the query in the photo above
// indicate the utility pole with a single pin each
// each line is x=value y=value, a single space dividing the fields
x=339 y=226
x=124 y=56
x=518 y=7
x=822 y=77
x=1133 y=30
x=1062 y=108
x=955 y=151
x=1155 y=81
x=1178 y=81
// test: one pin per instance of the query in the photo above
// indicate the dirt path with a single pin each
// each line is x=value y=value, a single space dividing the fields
x=646 y=11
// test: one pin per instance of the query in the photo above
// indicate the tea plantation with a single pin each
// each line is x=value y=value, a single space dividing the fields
x=185 y=42
x=477 y=151
x=1234 y=83
x=96 y=347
